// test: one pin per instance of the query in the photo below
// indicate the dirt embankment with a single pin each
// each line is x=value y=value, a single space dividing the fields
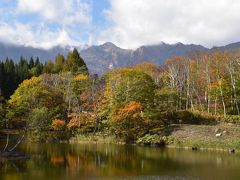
x=223 y=136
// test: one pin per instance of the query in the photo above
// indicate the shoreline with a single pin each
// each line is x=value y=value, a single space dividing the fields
x=170 y=146
x=204 y=149
x=184 y=136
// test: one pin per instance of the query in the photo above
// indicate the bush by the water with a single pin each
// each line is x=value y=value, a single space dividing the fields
x=154 y=140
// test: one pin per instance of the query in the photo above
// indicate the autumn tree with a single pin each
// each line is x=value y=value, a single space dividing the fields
x=59 y=63
x=126 y=85
x=48 y=67
x=205 y=82
x=83 y=94
x=34 y=94
x=129 y=102
x=128 y=121
x=91 y=99
x=74 y=63
x=151 y=69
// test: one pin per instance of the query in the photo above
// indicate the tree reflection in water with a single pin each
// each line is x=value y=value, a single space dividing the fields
x=74 y=161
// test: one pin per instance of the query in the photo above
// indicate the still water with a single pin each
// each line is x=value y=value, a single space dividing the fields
x=99 y=161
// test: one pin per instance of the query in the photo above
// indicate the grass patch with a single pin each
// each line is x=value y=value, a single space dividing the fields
x=96 y=138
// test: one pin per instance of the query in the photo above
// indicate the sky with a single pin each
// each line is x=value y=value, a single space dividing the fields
x=127 y=23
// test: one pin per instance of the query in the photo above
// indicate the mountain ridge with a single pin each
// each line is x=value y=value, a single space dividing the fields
x=100 y=58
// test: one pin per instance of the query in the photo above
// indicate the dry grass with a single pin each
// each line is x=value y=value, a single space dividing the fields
x=204 y=136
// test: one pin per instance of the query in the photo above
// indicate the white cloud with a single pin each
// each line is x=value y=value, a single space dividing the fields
x=206 y=22
x=60 y=11
x=15 y=34
x=67 y=17
x=23 y=34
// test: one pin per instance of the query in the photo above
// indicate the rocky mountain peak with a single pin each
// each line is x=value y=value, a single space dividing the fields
x=101 y=58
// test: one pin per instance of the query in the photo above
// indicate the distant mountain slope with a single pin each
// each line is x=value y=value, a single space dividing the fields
x=159 y=53
x=15 y=52
x=107 y=56
x=229 y=47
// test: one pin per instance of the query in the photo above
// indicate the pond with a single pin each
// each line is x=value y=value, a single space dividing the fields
x=101 y=161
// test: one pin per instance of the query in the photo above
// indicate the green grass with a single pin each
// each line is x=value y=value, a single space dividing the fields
x=203 y=144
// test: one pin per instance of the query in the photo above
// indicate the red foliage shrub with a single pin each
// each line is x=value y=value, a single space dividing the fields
x=58 y=124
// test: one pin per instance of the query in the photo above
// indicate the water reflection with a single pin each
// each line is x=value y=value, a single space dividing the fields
x=84 y=161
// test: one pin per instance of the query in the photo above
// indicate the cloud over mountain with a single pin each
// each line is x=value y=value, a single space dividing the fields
x=138 y=22
x=127 y=23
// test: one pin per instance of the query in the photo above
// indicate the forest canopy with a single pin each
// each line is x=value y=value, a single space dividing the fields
x=52 y=98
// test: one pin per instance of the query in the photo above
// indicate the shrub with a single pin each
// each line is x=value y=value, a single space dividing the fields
x=39 y=123
x=73 y=123
x=40 y=127
x=191 y=117
x=231 y=119
x=58 y=125
x=83 y=123
x=155 y=140
x=40 y=119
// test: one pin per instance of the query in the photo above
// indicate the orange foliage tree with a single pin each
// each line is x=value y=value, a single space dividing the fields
x=128 y=121
x=58 y=124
